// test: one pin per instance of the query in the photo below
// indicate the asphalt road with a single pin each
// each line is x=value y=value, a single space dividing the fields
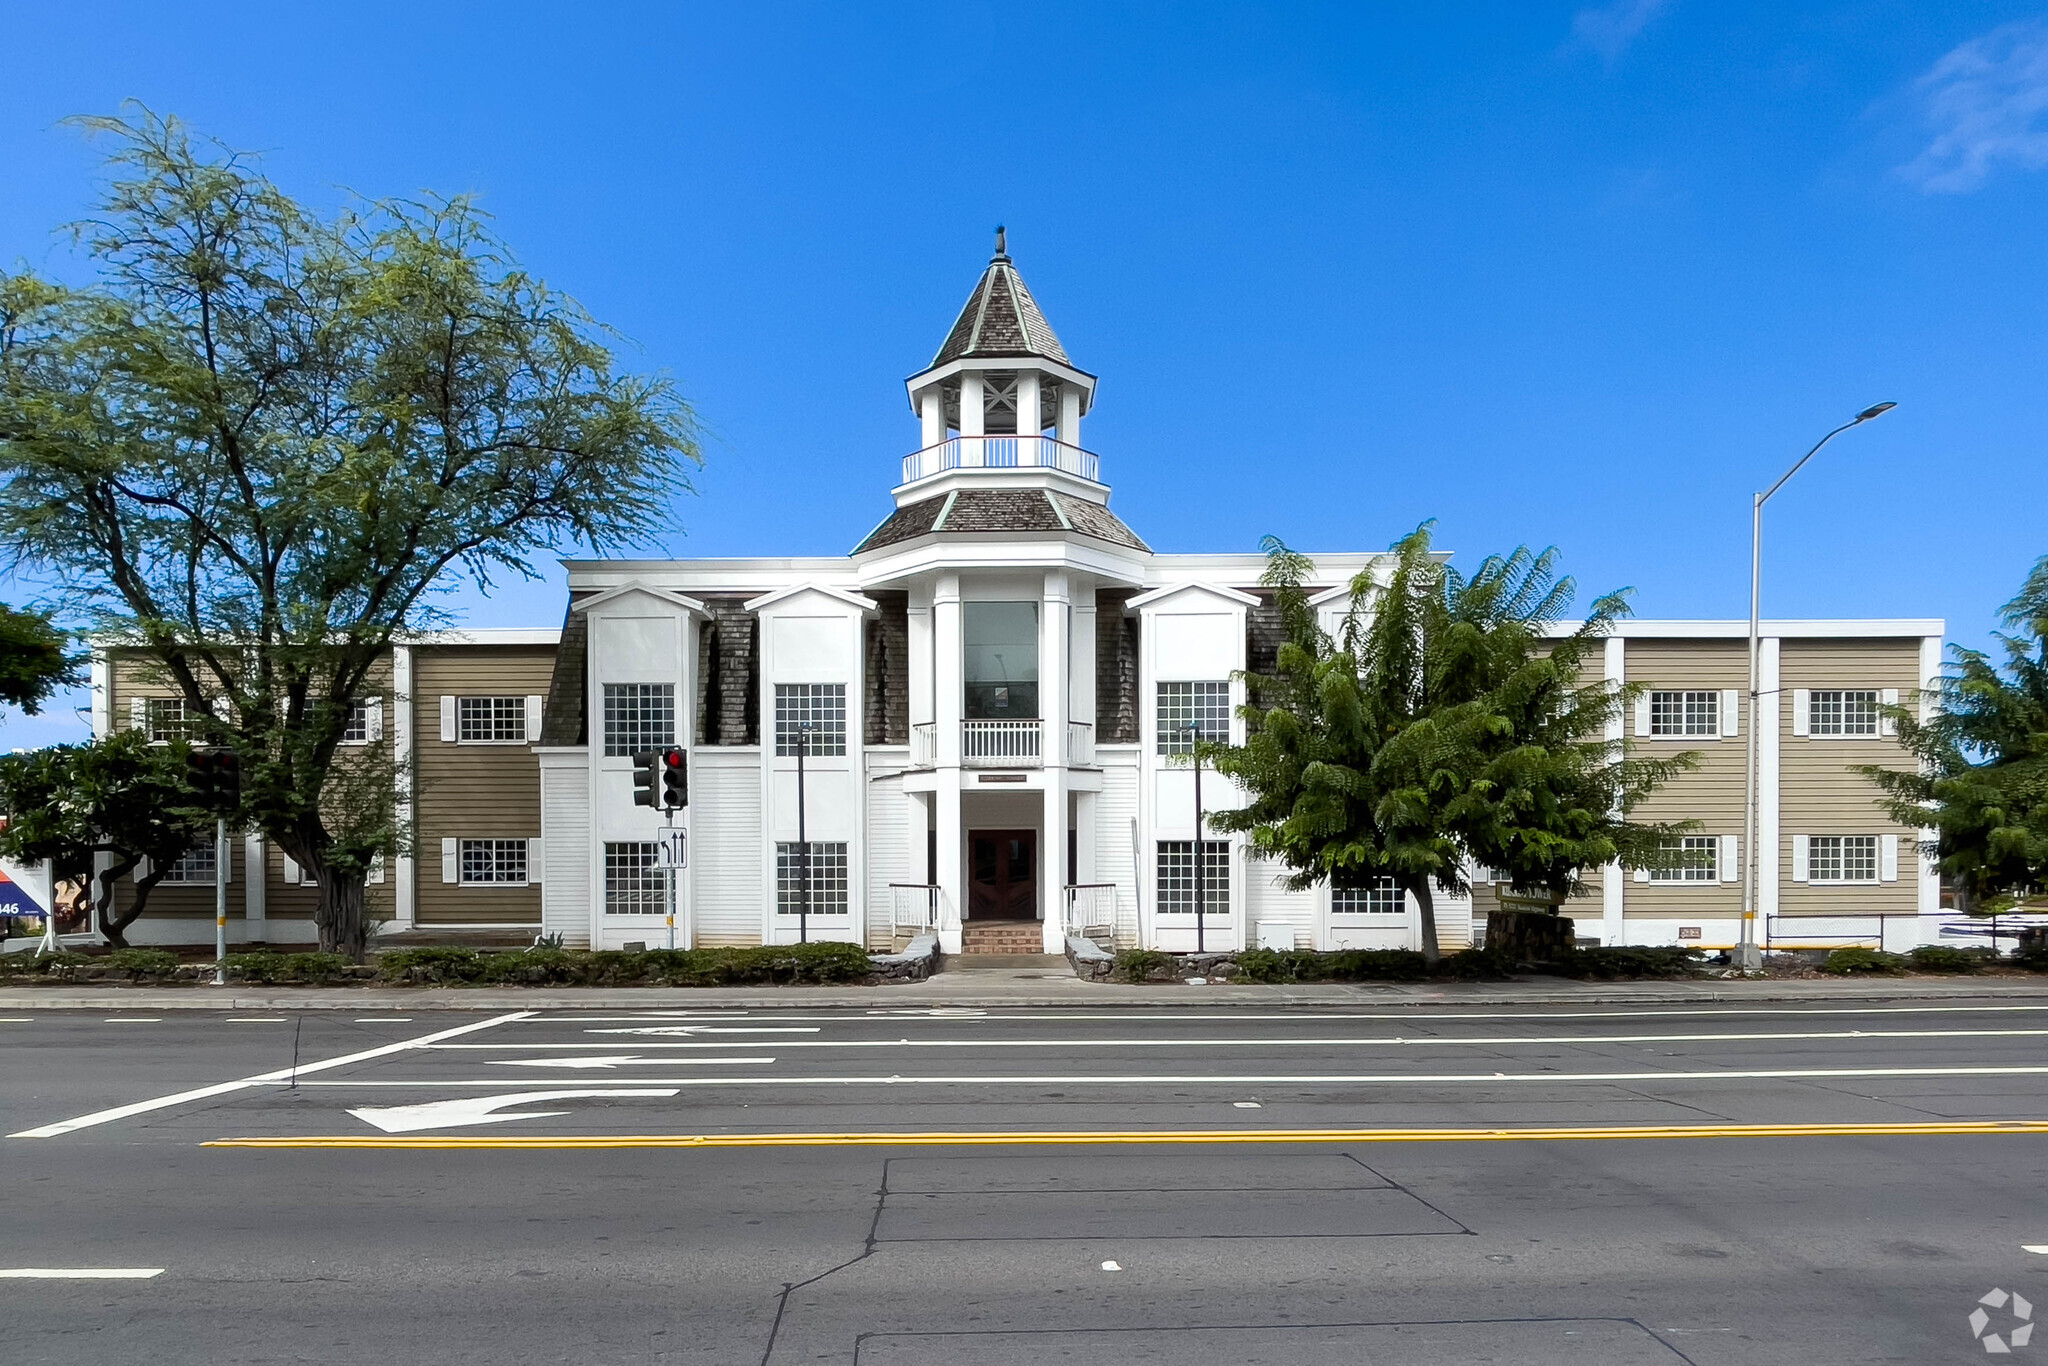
x=1172 y=1185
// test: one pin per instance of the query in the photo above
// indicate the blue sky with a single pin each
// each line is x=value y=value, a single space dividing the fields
x=1549 y=273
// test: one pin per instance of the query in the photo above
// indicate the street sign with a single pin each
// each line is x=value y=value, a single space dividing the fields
x=672 y=849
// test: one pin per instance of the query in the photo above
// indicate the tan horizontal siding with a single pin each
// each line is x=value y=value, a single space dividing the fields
x=474 y=791
x=1712 y=794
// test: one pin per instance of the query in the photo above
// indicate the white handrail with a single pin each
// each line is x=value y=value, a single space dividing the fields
x=1080 y=742
x=1004 y=744
x=1001 y=453
x=924 y=743
x=913 y=906
x=1092 y=905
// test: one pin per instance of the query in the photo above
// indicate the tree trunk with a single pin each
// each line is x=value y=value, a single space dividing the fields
x=104 y=883
x=339 y=917
x=1427 y=908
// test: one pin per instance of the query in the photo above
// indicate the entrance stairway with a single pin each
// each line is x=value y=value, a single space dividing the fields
x=1002 y=936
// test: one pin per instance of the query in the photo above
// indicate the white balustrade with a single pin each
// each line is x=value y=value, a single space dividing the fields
x=914 y=907
x=1001 y=453
x=1002 y=744
x=924 y=744
x=1080 y=743
x=1091 y=906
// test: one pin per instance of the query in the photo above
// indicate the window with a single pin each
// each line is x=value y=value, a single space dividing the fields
x=167 y=719
x=1685 y=713
x=1843 y=711
x=196 y=864
x=1205 y=704
x=490 y=720
x=1699 y=860
x=356 y=730
x=999 y=660
x=822 y=705
x=638 y=717
x=828 y=878
x=1367 y=896
x=1841 y=858
x=1177 y=877
x=482 y=862
x=632 y=881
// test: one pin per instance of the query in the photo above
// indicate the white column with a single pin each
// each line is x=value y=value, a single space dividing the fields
x=1053 y=669
x=1087 y=839
x=1768 y=709
x=920 y=631
x=952 y=883
x=972 y=412
x=1614 y=882
x=404 y=867
x=102 y=696
x=1929 y=875
x=1027 y=404
x=947 y=688
x=1052 y=859
x=931 y=409
x=1081 y=665
x=1069 y=429
x=254 y=928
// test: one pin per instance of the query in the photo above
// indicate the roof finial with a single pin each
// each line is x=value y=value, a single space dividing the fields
x=1002 y=247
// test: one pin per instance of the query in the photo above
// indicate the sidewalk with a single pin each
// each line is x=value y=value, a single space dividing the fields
x=1000 y=988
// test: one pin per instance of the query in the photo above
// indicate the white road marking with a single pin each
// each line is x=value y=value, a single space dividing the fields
x=2035 y=1247
x=283 y=1074
x=1277 y=1041
x=1111 y=1266
x=16 y=1019
x=133 y=1019
x=80 y=1273
x=454 y=1114
x=712 y=1029
x=1247 y=1104
x=384 y=1019
x=616 y=1060
x=1179 y=1079
x=1144 y=1016
x=255 y=1019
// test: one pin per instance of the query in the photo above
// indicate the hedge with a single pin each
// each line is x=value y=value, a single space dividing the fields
x=784 y=964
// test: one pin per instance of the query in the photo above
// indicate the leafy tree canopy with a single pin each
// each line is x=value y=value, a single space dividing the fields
x=33 y=662
x=264 y=439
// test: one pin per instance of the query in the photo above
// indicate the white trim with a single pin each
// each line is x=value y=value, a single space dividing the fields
x=1887 y=726
x=533 y=865
x=1817 y=628
x=1731 y=858
x=253 y=888
x=291 y=871
x=536 y=703
x=404 y=895
x=451 y=871
x=631 y=586
x=374 y=719
x=1927 y=872
x=1643 y=717
x=447 y=718
x=102 y=676
x=1802 y=859
x=1153 y=597
x=1613 y=886
x=1766 y=717
x=1731 y=712
x=1888 y=858
x=1802 y=711
x=375 y=876
x=855 y=600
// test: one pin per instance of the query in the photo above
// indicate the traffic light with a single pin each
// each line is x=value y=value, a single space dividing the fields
x=675 y=780
x=215 y=776
x=643 y=778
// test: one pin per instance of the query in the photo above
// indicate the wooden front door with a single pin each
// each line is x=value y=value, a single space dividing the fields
x=1002 y=875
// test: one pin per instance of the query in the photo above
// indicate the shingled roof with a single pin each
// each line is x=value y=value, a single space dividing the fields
x=1001 y=319
x=964 y=511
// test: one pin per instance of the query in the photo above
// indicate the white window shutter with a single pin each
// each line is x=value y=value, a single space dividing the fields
x=534 y=703
x=138 y=713
x=1801 y=850
x=375 y=712
x=1643 y=714
x=142 y=867
x=225 y=855
x=376 y=873
x=448 y=717
x=1731 y=858
x=1886 y=724
x=224 y=709
x=1731 y=712
x=1887 y=858
x=450 y=871
x=1642 y=875
x=533 y=860
x=1802 y=711
x=291 y=871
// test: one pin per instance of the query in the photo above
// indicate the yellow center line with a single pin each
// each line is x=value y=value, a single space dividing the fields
x=957 y=1138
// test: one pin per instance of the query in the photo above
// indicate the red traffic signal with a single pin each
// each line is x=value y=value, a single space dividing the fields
x=675 y=779
x=215 y=776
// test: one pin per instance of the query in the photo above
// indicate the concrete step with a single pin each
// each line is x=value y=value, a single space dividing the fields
x=976 y=962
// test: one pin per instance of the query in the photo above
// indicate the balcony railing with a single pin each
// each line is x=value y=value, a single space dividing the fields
x=924 y=744
x=1002 y=744
x=1001 y=453
x=1080 y=742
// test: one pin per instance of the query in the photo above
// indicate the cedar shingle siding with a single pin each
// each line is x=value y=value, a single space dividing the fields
x=1116 y=668
x=888 y=669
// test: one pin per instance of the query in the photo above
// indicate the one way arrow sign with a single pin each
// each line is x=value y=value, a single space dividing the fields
x=453 y=1114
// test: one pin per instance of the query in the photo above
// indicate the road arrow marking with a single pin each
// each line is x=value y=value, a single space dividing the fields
x=450 y=1114
x=616 y=1060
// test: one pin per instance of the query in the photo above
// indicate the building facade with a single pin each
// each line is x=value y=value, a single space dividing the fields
x=978 y=722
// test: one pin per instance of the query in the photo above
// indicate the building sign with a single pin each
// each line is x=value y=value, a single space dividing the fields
x=1688 y=932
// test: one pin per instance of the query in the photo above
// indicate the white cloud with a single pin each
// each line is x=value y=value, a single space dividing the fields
x=1986 y=102
x=1609 y=29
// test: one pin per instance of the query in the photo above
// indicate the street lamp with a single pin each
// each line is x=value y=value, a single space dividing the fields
x=1194 y=730
x=1747 y=954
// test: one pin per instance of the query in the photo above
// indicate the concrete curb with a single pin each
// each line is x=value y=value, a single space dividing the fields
x=1005 y=991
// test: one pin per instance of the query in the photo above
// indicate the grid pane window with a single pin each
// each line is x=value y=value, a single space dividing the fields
x=499 y=861
x=1699 y=860
x=196 y=864
x=638 y=717
x=1685 y=713
x=823 y=705
x=490 y=719
x=167 y=719
x=1367 y=896
x=1842 y=858
x=1205 y=704
x=1177 y=877
x=356 y=730
x=828 y=878
x=1843 y=711
x=632 y=880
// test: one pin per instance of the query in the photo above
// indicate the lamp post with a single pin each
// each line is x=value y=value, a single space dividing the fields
x=803 y=843
x=1747 y=954
x=1194 y=730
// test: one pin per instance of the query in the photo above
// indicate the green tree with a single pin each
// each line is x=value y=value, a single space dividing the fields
x=260 y=445
x=117 y=808
x=1449 y=721
x=1982 y=783
x=33 y=662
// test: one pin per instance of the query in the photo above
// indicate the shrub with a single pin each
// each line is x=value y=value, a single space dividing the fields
x=1846 y=961
x=438 y=965
x=1945 y=958
x=315 y=967
x=1619 y=962
x=257 y=966
x=1139 y=965
x=58 y=964
x=141 y=963
x=783 y=964
x=1472 y=965
x=1339 y=965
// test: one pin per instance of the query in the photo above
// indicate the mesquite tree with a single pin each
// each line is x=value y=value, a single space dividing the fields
x=259 y=443
x=1447 y=722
